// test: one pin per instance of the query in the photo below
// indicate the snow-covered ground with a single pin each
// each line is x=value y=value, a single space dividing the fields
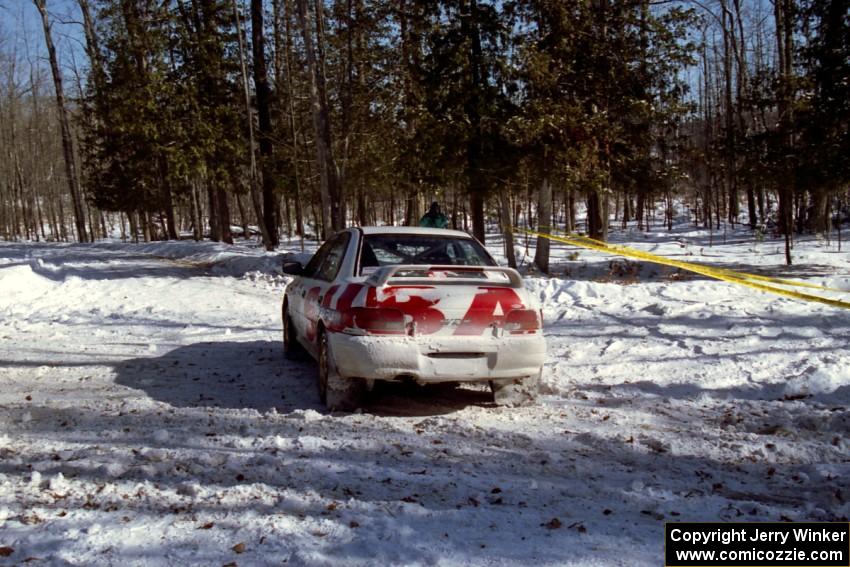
x=147 y=416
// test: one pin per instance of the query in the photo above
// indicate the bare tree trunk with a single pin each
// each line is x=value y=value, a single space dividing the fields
x=255 y=190
x=544 y=222
x=362 y=210
x=729 y=112
x=507 y=228
x=223 y=215
x=123 y=226
x=104 y=231
x=784 y=32
x=132 y=217
x=333 y=206
x=469 y=29
x=168 y=203
x=261 y=84
x=197 y=218
x=707 y=185
x=92 y=44
x=288 y=217
x=639 y=210
x=454 y=208
x=38 y=214
x=743 y=107
x=63 y=230
x=64 y=123
x=597 y=215
x=212 y=205
x=627 y=211
x=144 y=219
x=411 y=209
x=286 y=50
x=242 y=216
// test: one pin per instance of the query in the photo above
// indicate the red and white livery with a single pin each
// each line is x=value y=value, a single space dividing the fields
x=401 y=303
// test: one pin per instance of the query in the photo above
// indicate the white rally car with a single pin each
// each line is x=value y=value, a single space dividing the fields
x=419 y=304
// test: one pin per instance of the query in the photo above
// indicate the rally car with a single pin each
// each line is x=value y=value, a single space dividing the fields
x=411 y=304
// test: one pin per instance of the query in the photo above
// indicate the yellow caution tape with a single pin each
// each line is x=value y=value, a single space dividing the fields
x=716 y=273
x=654 y=258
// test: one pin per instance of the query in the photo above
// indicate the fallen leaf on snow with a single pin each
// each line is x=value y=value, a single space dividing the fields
x=552 y=524
x=6 y=551
x=239 y=547
x=578 y=526
x=29 y=520
x=206 y=526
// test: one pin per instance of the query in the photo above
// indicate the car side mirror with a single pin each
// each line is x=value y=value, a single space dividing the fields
x=293 y=268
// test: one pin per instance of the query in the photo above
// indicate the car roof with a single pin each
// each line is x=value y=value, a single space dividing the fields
x=413 y=230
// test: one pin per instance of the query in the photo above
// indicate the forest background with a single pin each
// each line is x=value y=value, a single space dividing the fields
x=164 y=119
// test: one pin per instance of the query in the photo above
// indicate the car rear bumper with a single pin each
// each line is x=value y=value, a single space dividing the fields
x=437 y=359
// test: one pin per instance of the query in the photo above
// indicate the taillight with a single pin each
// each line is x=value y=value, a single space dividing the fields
x=378 y=321
x=522 y=321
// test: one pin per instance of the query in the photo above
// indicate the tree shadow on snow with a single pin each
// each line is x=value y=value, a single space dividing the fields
x=238 y=375
x=256 y=375
x=443 y=491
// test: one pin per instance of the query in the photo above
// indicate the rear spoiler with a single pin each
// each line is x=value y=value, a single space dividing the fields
x=509 y=276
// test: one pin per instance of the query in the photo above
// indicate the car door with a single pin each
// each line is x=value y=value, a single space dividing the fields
x=296 y=292
x=319 y=277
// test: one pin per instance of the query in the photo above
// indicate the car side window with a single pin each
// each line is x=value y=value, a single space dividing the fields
x=312 y=267
x=333 y=259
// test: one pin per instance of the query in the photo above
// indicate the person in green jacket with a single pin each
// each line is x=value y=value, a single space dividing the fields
x=434 y=218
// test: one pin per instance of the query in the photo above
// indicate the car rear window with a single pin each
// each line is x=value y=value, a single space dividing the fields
x=392 y=249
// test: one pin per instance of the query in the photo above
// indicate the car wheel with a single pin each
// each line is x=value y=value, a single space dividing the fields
x=292 y=349
x=336 y=392
x=517 y=392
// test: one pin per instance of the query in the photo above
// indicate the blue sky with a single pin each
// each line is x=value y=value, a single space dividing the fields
x=21 y=33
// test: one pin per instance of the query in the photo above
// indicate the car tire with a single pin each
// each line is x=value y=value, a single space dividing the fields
x=336 y=392
x=517 y=392
x=292 y=349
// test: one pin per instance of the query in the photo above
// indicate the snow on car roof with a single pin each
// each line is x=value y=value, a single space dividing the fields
x=413 y=230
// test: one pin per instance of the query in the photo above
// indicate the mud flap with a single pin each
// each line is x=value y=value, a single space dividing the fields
x=342 y=394
x=292 y=349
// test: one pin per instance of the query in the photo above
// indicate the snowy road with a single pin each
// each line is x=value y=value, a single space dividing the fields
x=147 y=416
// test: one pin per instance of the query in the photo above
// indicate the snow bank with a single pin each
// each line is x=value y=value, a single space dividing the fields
x=221 y=259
